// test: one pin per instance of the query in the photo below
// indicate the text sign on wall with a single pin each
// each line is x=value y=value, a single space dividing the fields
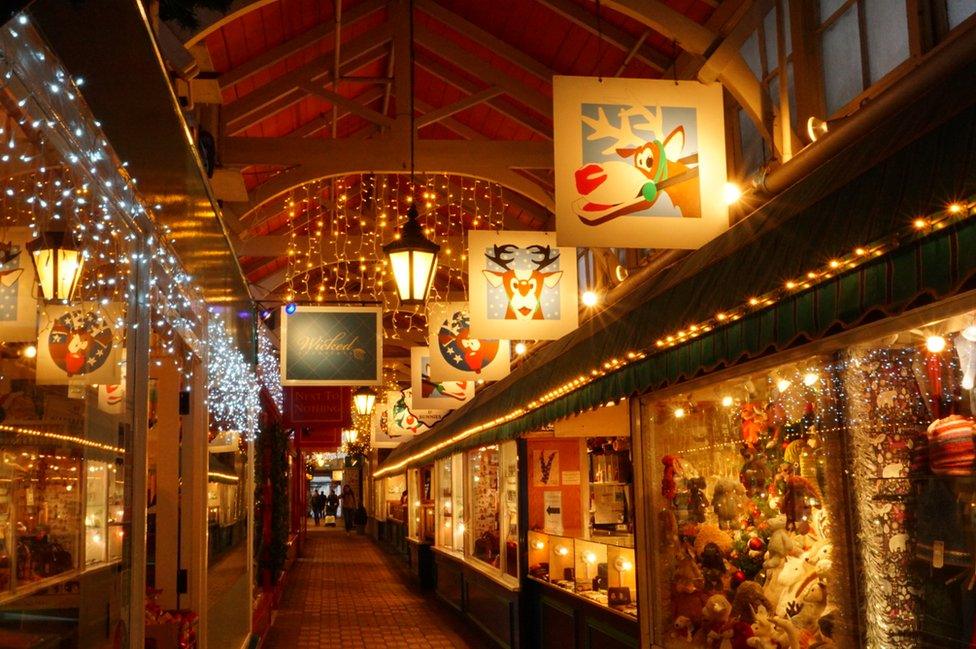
x=328 y=405
x=332 y=346
x=640 y=163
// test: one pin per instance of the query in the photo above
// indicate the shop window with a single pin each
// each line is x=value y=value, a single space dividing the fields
x=104 y=513
x=800 y=497
x=422 y=504
x=450 y=505
x=959 y=10
x=485 y=523
x=861 y=41
x=581 y=515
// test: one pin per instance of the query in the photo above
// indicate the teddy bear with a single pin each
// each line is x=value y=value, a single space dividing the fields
x=780 y=544
x=697 y=502
x=716 y=624
x=713 y=567
x=806 y=613
x=727 y=498
x=687 y=594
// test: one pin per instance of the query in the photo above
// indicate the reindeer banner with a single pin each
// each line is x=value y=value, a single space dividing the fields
x=428 y=393
x=639 y=163
x=456 y=355
x=522 y=286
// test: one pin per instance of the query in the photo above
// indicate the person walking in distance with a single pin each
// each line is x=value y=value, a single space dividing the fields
x=331 y=507
x=318 y=504
x=348 y=507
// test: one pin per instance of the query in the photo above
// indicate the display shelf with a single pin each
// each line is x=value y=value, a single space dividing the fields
x=598 y=572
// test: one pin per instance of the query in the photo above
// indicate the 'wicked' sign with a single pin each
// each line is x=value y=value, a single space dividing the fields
x=332 y=346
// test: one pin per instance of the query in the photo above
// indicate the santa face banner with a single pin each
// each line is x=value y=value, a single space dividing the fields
x=18 y=308
x=80 y=344
x=400 y=421
x=455 y=354
x=522 y=286
x=640 y=163
x=428 y=393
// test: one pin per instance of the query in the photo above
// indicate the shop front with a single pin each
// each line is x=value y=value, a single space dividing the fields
x=769 y=444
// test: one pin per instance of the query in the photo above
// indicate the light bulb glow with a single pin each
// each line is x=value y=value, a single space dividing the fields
x=30 y=351
x=520 y=348
x=969 y=333
x=727 y=401
x=731 y=193
x=561 y=550
x=590 y=299
x=538 y=545
x=290 y=308
x=935 y=344
x=810 y=379
x=783 y=385
x=626 y=566
x=589 y=557
x=967 y=382
x=679 y=413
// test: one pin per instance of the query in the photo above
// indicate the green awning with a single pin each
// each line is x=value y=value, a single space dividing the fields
x=805 y=226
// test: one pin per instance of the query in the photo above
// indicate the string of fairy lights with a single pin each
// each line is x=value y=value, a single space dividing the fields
x=269 y=368
x=336 y=227
x=58 y=172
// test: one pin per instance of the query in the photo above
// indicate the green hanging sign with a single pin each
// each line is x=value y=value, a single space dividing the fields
x=323 y=345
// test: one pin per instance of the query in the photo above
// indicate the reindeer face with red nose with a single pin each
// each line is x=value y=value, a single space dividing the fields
x=523 y=286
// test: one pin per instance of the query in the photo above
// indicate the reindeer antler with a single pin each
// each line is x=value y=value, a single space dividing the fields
x=622 y=136
x=498 y=256
x=548 y=258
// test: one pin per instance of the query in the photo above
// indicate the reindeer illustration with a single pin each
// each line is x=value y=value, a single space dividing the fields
x=647 y=169
x=523 y=286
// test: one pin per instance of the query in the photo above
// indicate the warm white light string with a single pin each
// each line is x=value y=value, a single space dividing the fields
x=269 y=367
x=233 y=394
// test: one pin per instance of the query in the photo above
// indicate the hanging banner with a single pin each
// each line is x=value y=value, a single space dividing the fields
x=111 y=398
x=80 y=345
x=324 y=345
x=639 y=163
x=428 y=393
x=457 y=355
x=396 y=421
x=18 y=308
x=522 y=286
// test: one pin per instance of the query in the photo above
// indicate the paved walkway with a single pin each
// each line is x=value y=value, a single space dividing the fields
x=346 y=592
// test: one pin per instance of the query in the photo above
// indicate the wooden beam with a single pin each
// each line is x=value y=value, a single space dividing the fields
x=210 y=20
x=500 y=104
x=485 y=39
x=315 y=125
x=351 y=105
x=438 y=114
x=403 y=68
x=282 y=51
x=481 y=69
x=285 y=90
x=382 y=154
x=730 y=46
x=463 y=130
x=611 y=33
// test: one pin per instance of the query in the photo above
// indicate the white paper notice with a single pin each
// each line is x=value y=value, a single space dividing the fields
x=552 y=502
x=571 y=477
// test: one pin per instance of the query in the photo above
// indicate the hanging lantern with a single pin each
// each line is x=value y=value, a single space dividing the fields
x=413 y=258
x=349 y=437
x=58 y=264
x=364 y=399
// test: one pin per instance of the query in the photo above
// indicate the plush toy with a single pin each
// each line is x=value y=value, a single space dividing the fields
x=697 y=502
x=775 y=423
x=683 y=629
x=715 y=622
x=771 y=632
x=754 y=474
x=780 y=544
x=710 y=533
x=749 y=597
x=669 y=481
x=727 y=499
x=785 y=584
x=713 y=568
x=753 y=423
x=807 y=612
x=687 y=595
x=824 y=636
x=799 y=498
x=669 y=529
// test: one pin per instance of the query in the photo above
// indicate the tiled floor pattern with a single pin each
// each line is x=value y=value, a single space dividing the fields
x=346 y=593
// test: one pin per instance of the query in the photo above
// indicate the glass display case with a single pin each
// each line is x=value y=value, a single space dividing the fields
x=395 y=498
x=450 y=503
x=484 y=525
x=599 y=571
x=422 y=504
x=760 y=483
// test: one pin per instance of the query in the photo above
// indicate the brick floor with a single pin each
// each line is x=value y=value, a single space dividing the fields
x=345 y=592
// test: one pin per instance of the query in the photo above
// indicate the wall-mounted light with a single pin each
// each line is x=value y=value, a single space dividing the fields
x=58 y=264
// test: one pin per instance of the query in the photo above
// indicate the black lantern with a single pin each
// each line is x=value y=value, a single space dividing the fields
x=58 y=264
x=413 y=260
x=364 y=399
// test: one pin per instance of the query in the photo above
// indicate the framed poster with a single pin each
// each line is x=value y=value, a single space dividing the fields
x=18 y=308
x=545 y=468
x=332 y=345
x=522 y=285
x=455 y=354
x=428 y=393
x=398 y=421
x=80 y=344
x=640 y=163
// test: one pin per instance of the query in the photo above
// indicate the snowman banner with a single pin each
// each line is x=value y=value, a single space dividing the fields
x=522 y=285
x=455 y=354
x=80 y=344
x=399 y=421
